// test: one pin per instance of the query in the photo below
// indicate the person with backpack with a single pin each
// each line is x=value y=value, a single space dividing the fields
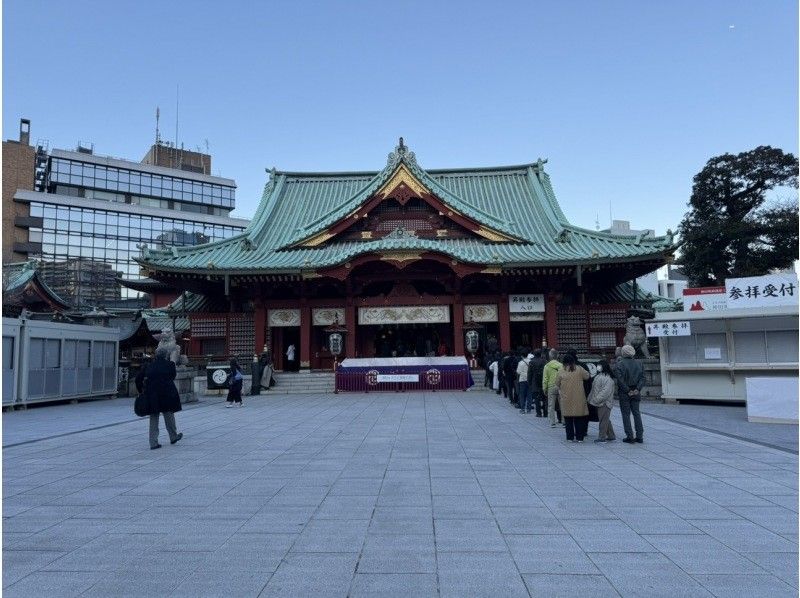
x=604 y=388
x=535 y=374
x=630 y=380
x=235 y=380
x=159 y=396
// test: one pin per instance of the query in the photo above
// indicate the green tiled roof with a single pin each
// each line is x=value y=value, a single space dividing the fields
x=517 y=201
x=17 y=276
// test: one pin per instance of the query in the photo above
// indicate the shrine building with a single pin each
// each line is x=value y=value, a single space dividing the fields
x=406 y=260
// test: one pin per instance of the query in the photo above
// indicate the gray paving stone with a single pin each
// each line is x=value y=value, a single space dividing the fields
x=220 y=582
x=402 y=520
x=479 y=574
x=48 y=584
x=782 y=565
x=568 y=586
x=468 y=535
x=606 y=535
x=702 y=554
x=332 y=535
x=734 y=586
x=393 y=585
x=461 y=507
x=398 y=554
x=647 y=574
x=19 y=563
x=549 y=554
x=304 y=575
x=746 y=536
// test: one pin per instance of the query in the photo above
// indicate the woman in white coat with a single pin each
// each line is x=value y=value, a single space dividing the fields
x=602 y=396
x=494 y=367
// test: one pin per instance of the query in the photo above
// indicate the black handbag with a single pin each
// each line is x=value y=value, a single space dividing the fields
x=593 y=415
x=140 y=406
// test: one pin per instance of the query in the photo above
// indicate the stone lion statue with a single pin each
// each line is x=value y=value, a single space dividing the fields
x=635 y=336
x=166 y=341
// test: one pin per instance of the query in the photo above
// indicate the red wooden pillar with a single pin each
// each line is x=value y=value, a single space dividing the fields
x=305 y=335
x=504 y=323
x=550 y=320
x=458 y=326
x=261 y=327
x=350 y=324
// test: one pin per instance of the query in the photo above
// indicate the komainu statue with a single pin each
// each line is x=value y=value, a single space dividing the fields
x=166 y=340
x=635 y=336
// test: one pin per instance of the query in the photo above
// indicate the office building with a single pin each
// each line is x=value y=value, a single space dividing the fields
x=85 y=216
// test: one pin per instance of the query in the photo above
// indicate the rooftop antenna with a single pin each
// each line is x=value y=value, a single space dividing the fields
x=177 y=108
x=610 y=216
x=158 y=115
x=597 y=222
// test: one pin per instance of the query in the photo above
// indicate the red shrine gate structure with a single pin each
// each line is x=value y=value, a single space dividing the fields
x=406 y=260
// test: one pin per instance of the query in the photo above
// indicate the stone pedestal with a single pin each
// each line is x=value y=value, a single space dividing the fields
x=184 y=381
x=652 y=378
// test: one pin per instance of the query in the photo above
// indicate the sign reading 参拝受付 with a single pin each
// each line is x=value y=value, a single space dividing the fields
x=704 y=299
x=398 y=377
x=525 y=303
x=668 y=329
x=761 y=291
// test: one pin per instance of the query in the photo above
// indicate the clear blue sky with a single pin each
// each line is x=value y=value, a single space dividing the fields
x=627 y=100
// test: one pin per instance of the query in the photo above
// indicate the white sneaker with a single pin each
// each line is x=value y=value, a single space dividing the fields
x=229 y=405
x=552 y=425
x=240 y=404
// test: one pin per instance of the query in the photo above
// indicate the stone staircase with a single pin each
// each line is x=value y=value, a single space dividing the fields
x=297 y=383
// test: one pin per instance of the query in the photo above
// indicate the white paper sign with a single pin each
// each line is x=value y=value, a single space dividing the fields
x=398 y=377
x=761 y=291
x=668 y=329
x=713 y=352
x=525 y=303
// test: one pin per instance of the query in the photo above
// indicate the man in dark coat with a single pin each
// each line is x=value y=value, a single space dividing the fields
x=535 y=374
x=161 y=395
x=630 y=381
x=510 y=377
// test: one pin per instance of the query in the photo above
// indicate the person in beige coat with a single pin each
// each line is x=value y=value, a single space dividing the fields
x=604 y=387
x=573 y=398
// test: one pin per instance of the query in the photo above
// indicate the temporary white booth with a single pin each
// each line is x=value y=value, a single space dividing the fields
x=50 y=361
x=730 y=350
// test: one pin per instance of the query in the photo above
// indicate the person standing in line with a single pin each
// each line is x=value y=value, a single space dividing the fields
x=535 y=373
x=290 y=351
x=487 y=363
x=604 y=387
x=524 y=392
x=630 y=379
x=156 y=381
x=494 y=369
x=235 y=380
x=573 y=398
x=510 y=377
x=549 y=388
x=266 y=371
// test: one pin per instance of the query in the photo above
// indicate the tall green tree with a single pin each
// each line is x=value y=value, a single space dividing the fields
x=730 y=229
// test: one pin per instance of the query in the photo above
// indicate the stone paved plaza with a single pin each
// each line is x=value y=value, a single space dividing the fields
x=436 y=494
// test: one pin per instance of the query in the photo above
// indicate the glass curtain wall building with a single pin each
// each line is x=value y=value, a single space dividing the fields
x=92 y=213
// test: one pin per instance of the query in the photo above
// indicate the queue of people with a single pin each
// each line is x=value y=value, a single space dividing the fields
x=563 y=390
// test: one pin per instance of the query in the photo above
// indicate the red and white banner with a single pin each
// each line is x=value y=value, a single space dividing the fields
x=705 y=299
